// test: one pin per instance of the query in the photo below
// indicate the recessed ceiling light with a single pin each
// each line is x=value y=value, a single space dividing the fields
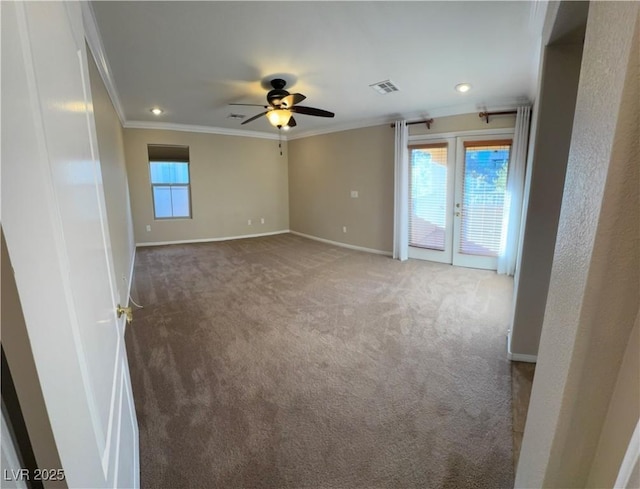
x=156 y=111
x=463 y=87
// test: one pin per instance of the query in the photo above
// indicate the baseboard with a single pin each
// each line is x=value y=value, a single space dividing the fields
x=519 y=357
x=211 y=240
x=342 y=245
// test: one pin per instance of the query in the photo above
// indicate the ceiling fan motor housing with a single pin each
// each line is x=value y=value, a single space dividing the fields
x=275 y=96
x=278 y=92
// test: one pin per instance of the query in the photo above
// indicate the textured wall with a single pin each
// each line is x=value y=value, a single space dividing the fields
x=233 y=179
x=595 y=284
x=114 y=178
x=543 y=192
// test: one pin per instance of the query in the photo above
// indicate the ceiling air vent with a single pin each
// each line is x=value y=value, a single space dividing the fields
x=237 y=117
x=386 y=86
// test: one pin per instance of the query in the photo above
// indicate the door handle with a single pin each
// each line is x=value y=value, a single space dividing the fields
x=128 y=313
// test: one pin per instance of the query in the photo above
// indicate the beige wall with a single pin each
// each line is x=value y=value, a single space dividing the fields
x=463 y=122
x=233 y=179
x=114 y=177
x=594 y=289
x=322 y=172
x=324 y=169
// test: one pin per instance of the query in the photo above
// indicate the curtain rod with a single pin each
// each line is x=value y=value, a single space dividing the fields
x=428 y=122
x=485 y=115
x=482 y=115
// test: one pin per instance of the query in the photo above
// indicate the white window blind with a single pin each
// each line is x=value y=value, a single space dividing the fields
x=428 y=195
x=486 y=165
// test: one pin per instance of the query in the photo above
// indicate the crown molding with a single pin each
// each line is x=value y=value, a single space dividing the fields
x=341 y=127
x=169 y=126
x=94 y=40
x=468 y=108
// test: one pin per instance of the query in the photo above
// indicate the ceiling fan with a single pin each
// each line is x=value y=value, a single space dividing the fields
x=282 y=105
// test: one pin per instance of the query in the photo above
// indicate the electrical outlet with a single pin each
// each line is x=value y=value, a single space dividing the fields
x=148 y=228
x=344 y=229
x=124 y=278
x=262 y=220
x=354 y=194
x=249 y=222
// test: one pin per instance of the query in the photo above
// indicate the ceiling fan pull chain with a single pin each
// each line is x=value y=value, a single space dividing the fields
x=280 y=139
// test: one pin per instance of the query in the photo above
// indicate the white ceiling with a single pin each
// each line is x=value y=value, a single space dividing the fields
x=193 y=58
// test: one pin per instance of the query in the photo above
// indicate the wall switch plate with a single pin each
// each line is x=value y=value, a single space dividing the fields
x=148 y=227
x=249 y=222
x=262 y=220
x=344 y=229
x=354 y=194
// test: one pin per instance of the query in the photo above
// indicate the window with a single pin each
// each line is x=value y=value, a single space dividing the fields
x=170 y=183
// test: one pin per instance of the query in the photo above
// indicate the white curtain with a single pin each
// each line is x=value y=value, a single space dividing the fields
x=401 y=205
x=513 y=197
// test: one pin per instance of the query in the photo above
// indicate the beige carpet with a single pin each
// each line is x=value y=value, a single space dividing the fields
x=281 y=362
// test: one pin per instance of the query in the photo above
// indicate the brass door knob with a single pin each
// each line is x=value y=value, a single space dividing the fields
x=126 y=311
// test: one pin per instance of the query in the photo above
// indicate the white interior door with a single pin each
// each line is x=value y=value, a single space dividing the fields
x=482 y=165
x=55 y=225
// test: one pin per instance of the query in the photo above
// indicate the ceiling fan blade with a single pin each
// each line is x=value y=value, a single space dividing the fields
x=292 y=122
x=254 y=118
x=299 y=109
x=252 y=105
x=292 y=99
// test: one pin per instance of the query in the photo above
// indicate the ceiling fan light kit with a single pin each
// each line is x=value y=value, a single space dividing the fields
x=279 y=117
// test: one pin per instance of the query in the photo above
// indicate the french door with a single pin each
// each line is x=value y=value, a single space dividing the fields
x=457 y=193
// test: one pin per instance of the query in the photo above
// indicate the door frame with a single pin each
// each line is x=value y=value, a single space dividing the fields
x=452 y=138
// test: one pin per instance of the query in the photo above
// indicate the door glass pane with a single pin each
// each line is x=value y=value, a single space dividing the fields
x=162 y=201
x=180 y=200
x=428 y=196
x=484 y=188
